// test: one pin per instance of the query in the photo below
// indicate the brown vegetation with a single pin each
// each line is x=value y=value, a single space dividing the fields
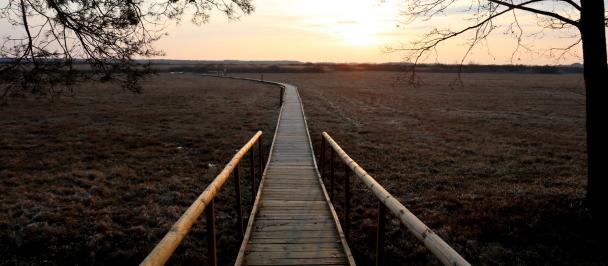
x=100 y=177
x=497 y=168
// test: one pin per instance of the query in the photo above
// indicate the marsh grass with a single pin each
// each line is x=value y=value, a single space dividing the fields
x=497 y=167
x=100 y=177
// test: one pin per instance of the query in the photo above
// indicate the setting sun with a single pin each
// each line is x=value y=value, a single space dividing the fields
x=357 y=33
x=362 y=22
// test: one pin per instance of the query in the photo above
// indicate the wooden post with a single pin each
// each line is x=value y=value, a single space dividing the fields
x=446 y=254
x=239 y=206
x=331 y=174
x=261 y=156
x=282 y=92
x=346 y=202
x=252 y=172
x=211 y=243
x=167 y=245
x=322 y=156
x=380 y=234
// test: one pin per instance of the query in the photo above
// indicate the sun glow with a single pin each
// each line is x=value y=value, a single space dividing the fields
x=359 y=22
x=358 y=34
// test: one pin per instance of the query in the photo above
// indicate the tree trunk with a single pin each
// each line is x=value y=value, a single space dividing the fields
x=592 y=28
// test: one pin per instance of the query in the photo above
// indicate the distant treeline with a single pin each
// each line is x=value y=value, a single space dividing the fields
x=234 y=66
x=400 y=67
x=474 y=68
x=291 y=68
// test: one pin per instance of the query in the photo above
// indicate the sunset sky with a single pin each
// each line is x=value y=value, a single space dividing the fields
x=340 y=31
x=345 y=31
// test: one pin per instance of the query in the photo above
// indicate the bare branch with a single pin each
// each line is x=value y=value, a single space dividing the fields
x=536 y=11
x=104 y=34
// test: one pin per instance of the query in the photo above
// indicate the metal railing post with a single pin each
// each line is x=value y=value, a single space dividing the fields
x=282 y=92
x=204 y=203
x=380 y=234
x=239 y=204
x=211 y=243
x=322 y=156
x=261 y=156
x=346 y=202
x=446 y=254
x=331 y=174
x=252 y=173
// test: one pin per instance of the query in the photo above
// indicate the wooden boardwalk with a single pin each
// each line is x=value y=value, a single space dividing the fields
x=294 y=222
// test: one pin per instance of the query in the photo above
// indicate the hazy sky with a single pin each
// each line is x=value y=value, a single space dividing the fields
x=339 y=31
x=342 y=31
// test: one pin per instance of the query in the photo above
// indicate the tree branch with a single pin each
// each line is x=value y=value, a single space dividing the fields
x=536 y=11
x=573 y=4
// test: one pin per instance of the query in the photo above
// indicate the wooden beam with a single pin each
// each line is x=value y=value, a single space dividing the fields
x=446 y=254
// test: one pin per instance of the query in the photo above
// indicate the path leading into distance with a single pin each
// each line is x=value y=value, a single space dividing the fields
x=294 y=222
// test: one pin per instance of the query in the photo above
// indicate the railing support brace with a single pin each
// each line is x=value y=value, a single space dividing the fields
x=252 y=172
x=380 y=234
x=205 y=204
x=346 y=202
x=282 y=93
x=239 y=204
x=331 y=173
x=211 y=243
x=322 y=158
x=261 y=156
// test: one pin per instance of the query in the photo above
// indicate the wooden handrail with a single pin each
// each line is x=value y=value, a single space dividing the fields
x=165 y=248
x=446 y=254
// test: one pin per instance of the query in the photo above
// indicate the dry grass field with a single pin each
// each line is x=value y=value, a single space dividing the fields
x=497 y=167
x=99 y=178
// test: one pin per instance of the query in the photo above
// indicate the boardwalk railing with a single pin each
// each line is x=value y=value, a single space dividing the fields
x=205 y=202
x=446 y=254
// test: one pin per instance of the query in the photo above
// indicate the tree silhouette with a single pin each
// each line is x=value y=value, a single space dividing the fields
x=63 y=41
x=586 y=17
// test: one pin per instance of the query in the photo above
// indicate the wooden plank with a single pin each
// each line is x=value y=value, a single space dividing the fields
x=293 y=223
x=294 y=227
x=307 y=211
x=287 y=197
x=292 y=191
x=278 y=208
x=310 y=212
x=295 y=234
x=294 y=203
x=264 y=255
x=293 y=241
x=294 y=247
x=291 y=184
x=295 y=261
x=294 y=196
x=275 y=216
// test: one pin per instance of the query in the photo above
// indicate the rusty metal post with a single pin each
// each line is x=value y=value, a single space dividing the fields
x=239 y=204
x=347 y=201
x=380 y=234
x=331 y=174
x=211 y=243
x=322 y=156
x=261 y=156
x=252 y=172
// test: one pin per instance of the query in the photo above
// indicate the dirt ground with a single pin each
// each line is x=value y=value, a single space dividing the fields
x=99 y=178
x=497 y=167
